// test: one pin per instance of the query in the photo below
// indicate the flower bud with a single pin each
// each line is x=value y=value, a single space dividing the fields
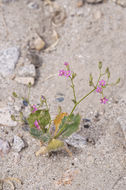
x=107 y=72
x=15 y=95
x=13 y=117
x=74 y=75
x=100 y=65
x=118 y=81
x=90 y=80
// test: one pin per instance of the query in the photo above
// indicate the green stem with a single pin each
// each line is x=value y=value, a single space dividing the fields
x=73 y=90
x=29 y=90
x=76 y=103
x=82 y=100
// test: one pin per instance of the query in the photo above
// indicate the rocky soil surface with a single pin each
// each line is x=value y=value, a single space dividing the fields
x=36 y=38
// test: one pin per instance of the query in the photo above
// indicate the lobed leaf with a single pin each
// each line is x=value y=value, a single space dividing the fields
x=58 y=121
x=70 y=125
x=42 y=116
x=44 y=137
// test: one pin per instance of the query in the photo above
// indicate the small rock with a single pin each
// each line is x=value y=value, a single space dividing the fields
x=86 y=123
x=122 y=122
x=25 y=102
x=4 y=146
x=122 y=3
x=27 y=71
x=38 y=43
x=94 y=1
x=60 y=99
x=80 y=12
x=76 y=140
x=97 y=15
x=5 y=116
x=6 y=1
x=8 y=60
x=25 y=80
x=33 y=5
x=80 y=3
x=90 y=141
x=18 y=144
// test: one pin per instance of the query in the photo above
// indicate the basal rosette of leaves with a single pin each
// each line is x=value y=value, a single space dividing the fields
x=64 y=126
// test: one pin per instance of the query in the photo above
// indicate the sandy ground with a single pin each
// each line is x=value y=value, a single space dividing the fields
x=90 y=34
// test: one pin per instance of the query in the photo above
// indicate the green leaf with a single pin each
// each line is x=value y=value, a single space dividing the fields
x=15 y=95
x=70 y=125
x=100 y=65
x=44 y=137
x=36 y=133
x=43 y=118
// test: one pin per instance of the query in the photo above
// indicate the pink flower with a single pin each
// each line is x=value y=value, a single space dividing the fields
x=66 y=64
x=104 y=100
x=34 y=108
x=61 y=72
x=98 y=89
x=67 y=73
x=102 y=83
x=36 y=124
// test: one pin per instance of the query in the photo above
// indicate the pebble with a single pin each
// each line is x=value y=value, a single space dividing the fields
x=94 y=1
x=4 y=146
x=25 y=80
x=60 y=99
x=86 y=123
x=25 y=102
x=76 y=140
x=8 y=60
x=122 y=3
x=5 y=116
x=18 y=144
x=37 y=42
x=6 y=1
x=27 y=71
x=80 y=3
x=97 y=15
x=122 y=122
x=33 y=5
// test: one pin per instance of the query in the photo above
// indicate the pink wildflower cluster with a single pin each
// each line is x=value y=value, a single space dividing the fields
x=66 y=73
x=104 y=100
x=34 y=108
x=102 y=83
x=99 y=89
x=37 y=124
